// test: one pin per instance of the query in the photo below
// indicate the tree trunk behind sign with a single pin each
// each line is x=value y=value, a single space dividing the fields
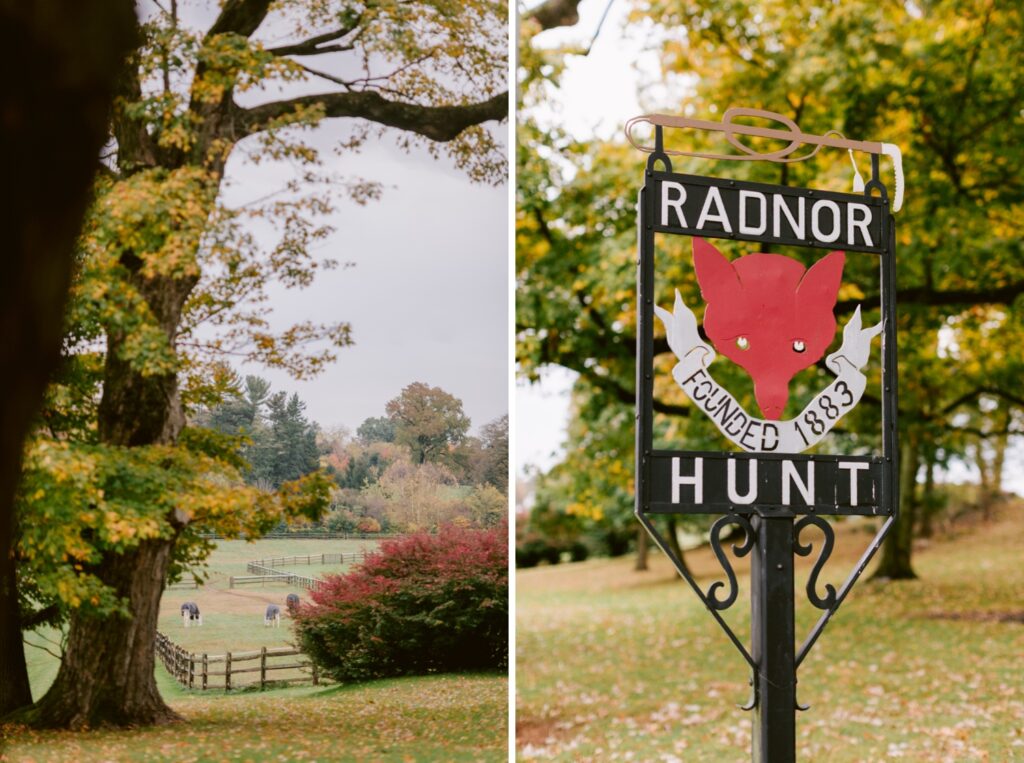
x=641 y=550
x=929 y=506
x=898 y=546
x=672 y=536
x=67 y=54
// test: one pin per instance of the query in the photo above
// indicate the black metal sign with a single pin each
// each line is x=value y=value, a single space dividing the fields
x=685 y=482
x=713 y=207
x=769 y=488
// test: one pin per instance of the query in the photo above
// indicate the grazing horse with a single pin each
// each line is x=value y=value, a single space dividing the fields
x=292 y=602
x=190 y=614
x=272 y=617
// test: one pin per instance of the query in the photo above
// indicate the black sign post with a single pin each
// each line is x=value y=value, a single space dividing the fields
x=773 y=495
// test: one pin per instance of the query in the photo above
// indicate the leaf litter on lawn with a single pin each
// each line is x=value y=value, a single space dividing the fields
x=618 y=665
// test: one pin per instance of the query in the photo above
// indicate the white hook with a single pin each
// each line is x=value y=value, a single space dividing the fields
x=858 y=181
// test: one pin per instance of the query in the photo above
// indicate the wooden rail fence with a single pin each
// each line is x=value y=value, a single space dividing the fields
x=183 y=584
x=263 y=570
x=313 y=535
x=312 y=584
x=194 y=671
x=284 y=561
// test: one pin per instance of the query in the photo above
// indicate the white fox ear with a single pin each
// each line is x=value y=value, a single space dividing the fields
x=820 y=285
x=718 y=279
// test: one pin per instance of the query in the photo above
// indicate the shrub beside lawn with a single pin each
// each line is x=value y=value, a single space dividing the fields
x=423 y=604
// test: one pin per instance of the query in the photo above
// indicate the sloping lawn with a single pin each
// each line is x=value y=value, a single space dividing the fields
x=432 y=718
x=618 y=665
x=437 y=718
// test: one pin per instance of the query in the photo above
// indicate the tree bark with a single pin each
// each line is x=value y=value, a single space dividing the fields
x=52 y=126
x=998 y=462
x=673 y=540
x=641 y=550
x=106 y=677
x=981 y=460
x=898 y=547
x=929 y=501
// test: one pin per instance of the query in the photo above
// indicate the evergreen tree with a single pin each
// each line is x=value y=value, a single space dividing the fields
x=291 y=438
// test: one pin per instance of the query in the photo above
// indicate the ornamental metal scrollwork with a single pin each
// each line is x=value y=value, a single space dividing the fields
x=738 y=549
x=829 y=599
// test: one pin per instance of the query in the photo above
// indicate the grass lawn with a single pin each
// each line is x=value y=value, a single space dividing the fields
x=614 y=664
x=433 y=718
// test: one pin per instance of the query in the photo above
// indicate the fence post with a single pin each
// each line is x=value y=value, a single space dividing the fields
x=263 y=668
x=231 y=582
x=227 y=672
x=205 y=665
x=191 y=670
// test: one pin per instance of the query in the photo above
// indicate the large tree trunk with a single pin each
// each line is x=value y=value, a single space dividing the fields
x=15 y=691
x=67 y=54
x=107 y=676
x=107 y=673
x=897 y=549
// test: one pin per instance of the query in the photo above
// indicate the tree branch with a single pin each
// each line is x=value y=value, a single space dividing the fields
x=555 y=13
x=314 y=46
x=240 y=17
x=440 y=123
x=1009 y=397
x=39 y=617
x=924 y=295
x=620 y=392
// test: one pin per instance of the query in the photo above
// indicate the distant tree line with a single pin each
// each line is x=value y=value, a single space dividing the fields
x=416 y=468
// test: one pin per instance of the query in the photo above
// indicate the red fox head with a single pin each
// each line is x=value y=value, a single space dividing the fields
x=768 y=314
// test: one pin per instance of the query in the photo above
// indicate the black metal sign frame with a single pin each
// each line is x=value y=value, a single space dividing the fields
x=773 y=528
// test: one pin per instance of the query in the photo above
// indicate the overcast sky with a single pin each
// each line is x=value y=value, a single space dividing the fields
x=427 y=297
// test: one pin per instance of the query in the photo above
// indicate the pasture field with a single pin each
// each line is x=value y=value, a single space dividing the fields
x=614 y=664
x=445 y=717
x=233 y=617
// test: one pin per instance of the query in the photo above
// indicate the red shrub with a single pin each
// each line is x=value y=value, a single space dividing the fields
x=422 y=604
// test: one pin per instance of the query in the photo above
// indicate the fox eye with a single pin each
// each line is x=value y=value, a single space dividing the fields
x=743 y=343
x=799 y=345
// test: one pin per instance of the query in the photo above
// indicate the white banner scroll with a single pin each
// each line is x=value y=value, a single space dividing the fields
x=758 y=435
